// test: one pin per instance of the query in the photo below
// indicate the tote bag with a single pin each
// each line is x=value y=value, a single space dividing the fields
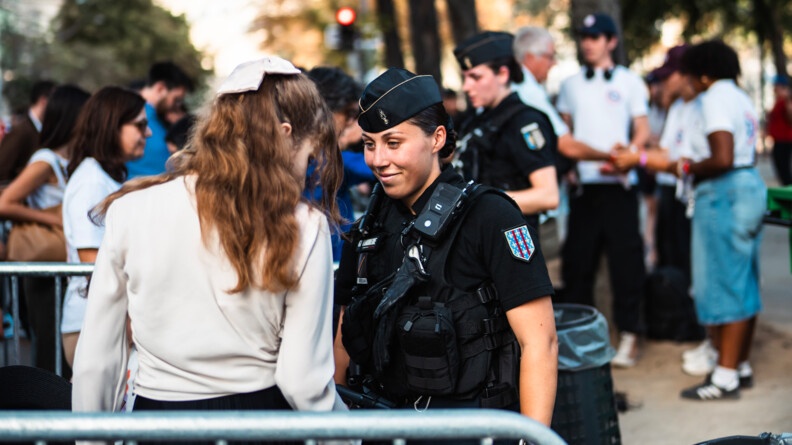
x=31 y=241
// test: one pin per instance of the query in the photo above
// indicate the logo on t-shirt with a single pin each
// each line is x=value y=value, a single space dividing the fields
x=678 y=138
x=613 y=96
x=750 y=129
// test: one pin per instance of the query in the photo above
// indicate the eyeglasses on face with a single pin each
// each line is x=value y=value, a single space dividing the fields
x=141 y=125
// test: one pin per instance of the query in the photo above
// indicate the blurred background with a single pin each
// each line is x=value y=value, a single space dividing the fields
x=99 y=42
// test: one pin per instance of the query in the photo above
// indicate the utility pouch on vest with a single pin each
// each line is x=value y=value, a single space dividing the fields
x=428 y=343
x=358 y=325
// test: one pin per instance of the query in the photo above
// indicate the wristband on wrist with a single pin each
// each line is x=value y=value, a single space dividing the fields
x=643 y=158
x=683 y=167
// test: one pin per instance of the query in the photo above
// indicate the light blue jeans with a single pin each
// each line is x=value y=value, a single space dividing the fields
x=727 y=230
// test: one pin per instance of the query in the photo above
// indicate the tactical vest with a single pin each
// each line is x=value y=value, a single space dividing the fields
x=477 y=151
x=437 y=340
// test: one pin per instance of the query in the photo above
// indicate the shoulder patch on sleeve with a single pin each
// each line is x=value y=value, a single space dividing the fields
x=533 y=136
x=520 y=243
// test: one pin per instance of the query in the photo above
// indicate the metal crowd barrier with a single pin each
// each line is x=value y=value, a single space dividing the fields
x=308 y=427
x=10 y=274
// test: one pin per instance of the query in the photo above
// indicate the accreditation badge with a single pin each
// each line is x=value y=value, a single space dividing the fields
x=520 y=243
x=533 y=136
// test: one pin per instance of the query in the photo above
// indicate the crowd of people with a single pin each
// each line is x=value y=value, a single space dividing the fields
x=442 y=297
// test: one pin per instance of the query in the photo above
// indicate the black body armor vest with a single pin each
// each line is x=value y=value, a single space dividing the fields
x=477 y=158
x=416 y=333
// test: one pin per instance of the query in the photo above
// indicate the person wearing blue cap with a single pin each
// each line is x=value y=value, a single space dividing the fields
x=506 y=144
x=446 y=295
x=605 y=105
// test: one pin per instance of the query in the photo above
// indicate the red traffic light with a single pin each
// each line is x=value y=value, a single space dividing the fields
x=346 y=16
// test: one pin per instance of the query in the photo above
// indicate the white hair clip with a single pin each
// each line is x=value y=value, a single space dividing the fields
x=248 y=76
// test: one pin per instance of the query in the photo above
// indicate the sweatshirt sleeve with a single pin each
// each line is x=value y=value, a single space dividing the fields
x=304 y=370
x=102 y=351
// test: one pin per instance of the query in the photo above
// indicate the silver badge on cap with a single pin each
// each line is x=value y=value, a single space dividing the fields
x=383 y=116
x=589 y=20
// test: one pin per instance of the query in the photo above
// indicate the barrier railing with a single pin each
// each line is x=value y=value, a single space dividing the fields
x=12 y=272
x=221 y=427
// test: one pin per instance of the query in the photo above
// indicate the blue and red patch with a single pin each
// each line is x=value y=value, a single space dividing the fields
x=520 y=243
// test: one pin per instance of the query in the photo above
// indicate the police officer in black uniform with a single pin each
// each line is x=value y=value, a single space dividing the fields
x=506 y=143
x=447 y=298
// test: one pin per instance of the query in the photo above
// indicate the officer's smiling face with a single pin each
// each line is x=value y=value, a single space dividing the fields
x=404 y=159
x=485 y=87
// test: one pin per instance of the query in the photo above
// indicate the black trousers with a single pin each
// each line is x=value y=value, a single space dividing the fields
x=782 y=160
x=672 y=232
x=39 y=296
x=605 y=216
x=266 y=399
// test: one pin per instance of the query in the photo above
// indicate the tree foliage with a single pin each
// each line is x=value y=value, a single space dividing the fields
x=94 y=43
x=766 y=19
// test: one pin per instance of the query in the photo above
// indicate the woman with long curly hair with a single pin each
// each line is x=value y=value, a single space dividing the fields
x=224 y=270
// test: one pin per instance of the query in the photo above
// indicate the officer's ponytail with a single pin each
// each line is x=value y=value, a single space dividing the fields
x=435 y=116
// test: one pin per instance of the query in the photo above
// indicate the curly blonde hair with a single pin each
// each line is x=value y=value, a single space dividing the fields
x=246 y=189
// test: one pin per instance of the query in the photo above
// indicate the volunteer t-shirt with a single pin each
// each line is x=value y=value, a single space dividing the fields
x=602 y=112
x=87 y=187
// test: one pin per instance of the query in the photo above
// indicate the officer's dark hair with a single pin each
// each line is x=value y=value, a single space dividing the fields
x=42 y=88
x=170 y=74
x=432 y=117
x=713 y=59
x=515 y=72
x=337 y=88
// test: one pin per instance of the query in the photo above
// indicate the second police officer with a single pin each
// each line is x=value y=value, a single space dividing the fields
x=447 y=298
x=505 y=144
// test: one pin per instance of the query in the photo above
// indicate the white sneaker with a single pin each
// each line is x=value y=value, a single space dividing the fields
x=627 y=352
x=700 y=365
x=702 y=351
x=700 y=360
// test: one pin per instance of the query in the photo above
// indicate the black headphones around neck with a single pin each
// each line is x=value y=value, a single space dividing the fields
x=607 y=73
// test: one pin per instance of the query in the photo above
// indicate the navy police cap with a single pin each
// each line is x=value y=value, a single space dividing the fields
x=484 y=47
x=395 y=96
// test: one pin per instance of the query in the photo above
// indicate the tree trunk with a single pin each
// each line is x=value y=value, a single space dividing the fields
x=463 y=18
x=425 y=38
x=579 y=9
x=768 y=29
x=386 y=18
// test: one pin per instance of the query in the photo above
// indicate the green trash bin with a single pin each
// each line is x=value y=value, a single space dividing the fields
x=585 y=407
x=779 y=209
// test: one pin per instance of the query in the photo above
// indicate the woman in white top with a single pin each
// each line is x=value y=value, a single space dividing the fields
x=111 y=130
x=730 y=198
x=40 y=186
x=223 y=269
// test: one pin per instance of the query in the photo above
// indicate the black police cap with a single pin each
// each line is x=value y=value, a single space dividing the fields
x=484 y=47
x=395 y=96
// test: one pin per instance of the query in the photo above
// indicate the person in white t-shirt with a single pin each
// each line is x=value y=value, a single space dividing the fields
x=222 y=267
x=682 y=137
x=111 y=130
x=730 y=198
x=605 y=105
x=35 y=196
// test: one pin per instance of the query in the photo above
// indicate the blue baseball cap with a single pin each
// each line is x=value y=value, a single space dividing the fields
x=598 y=24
